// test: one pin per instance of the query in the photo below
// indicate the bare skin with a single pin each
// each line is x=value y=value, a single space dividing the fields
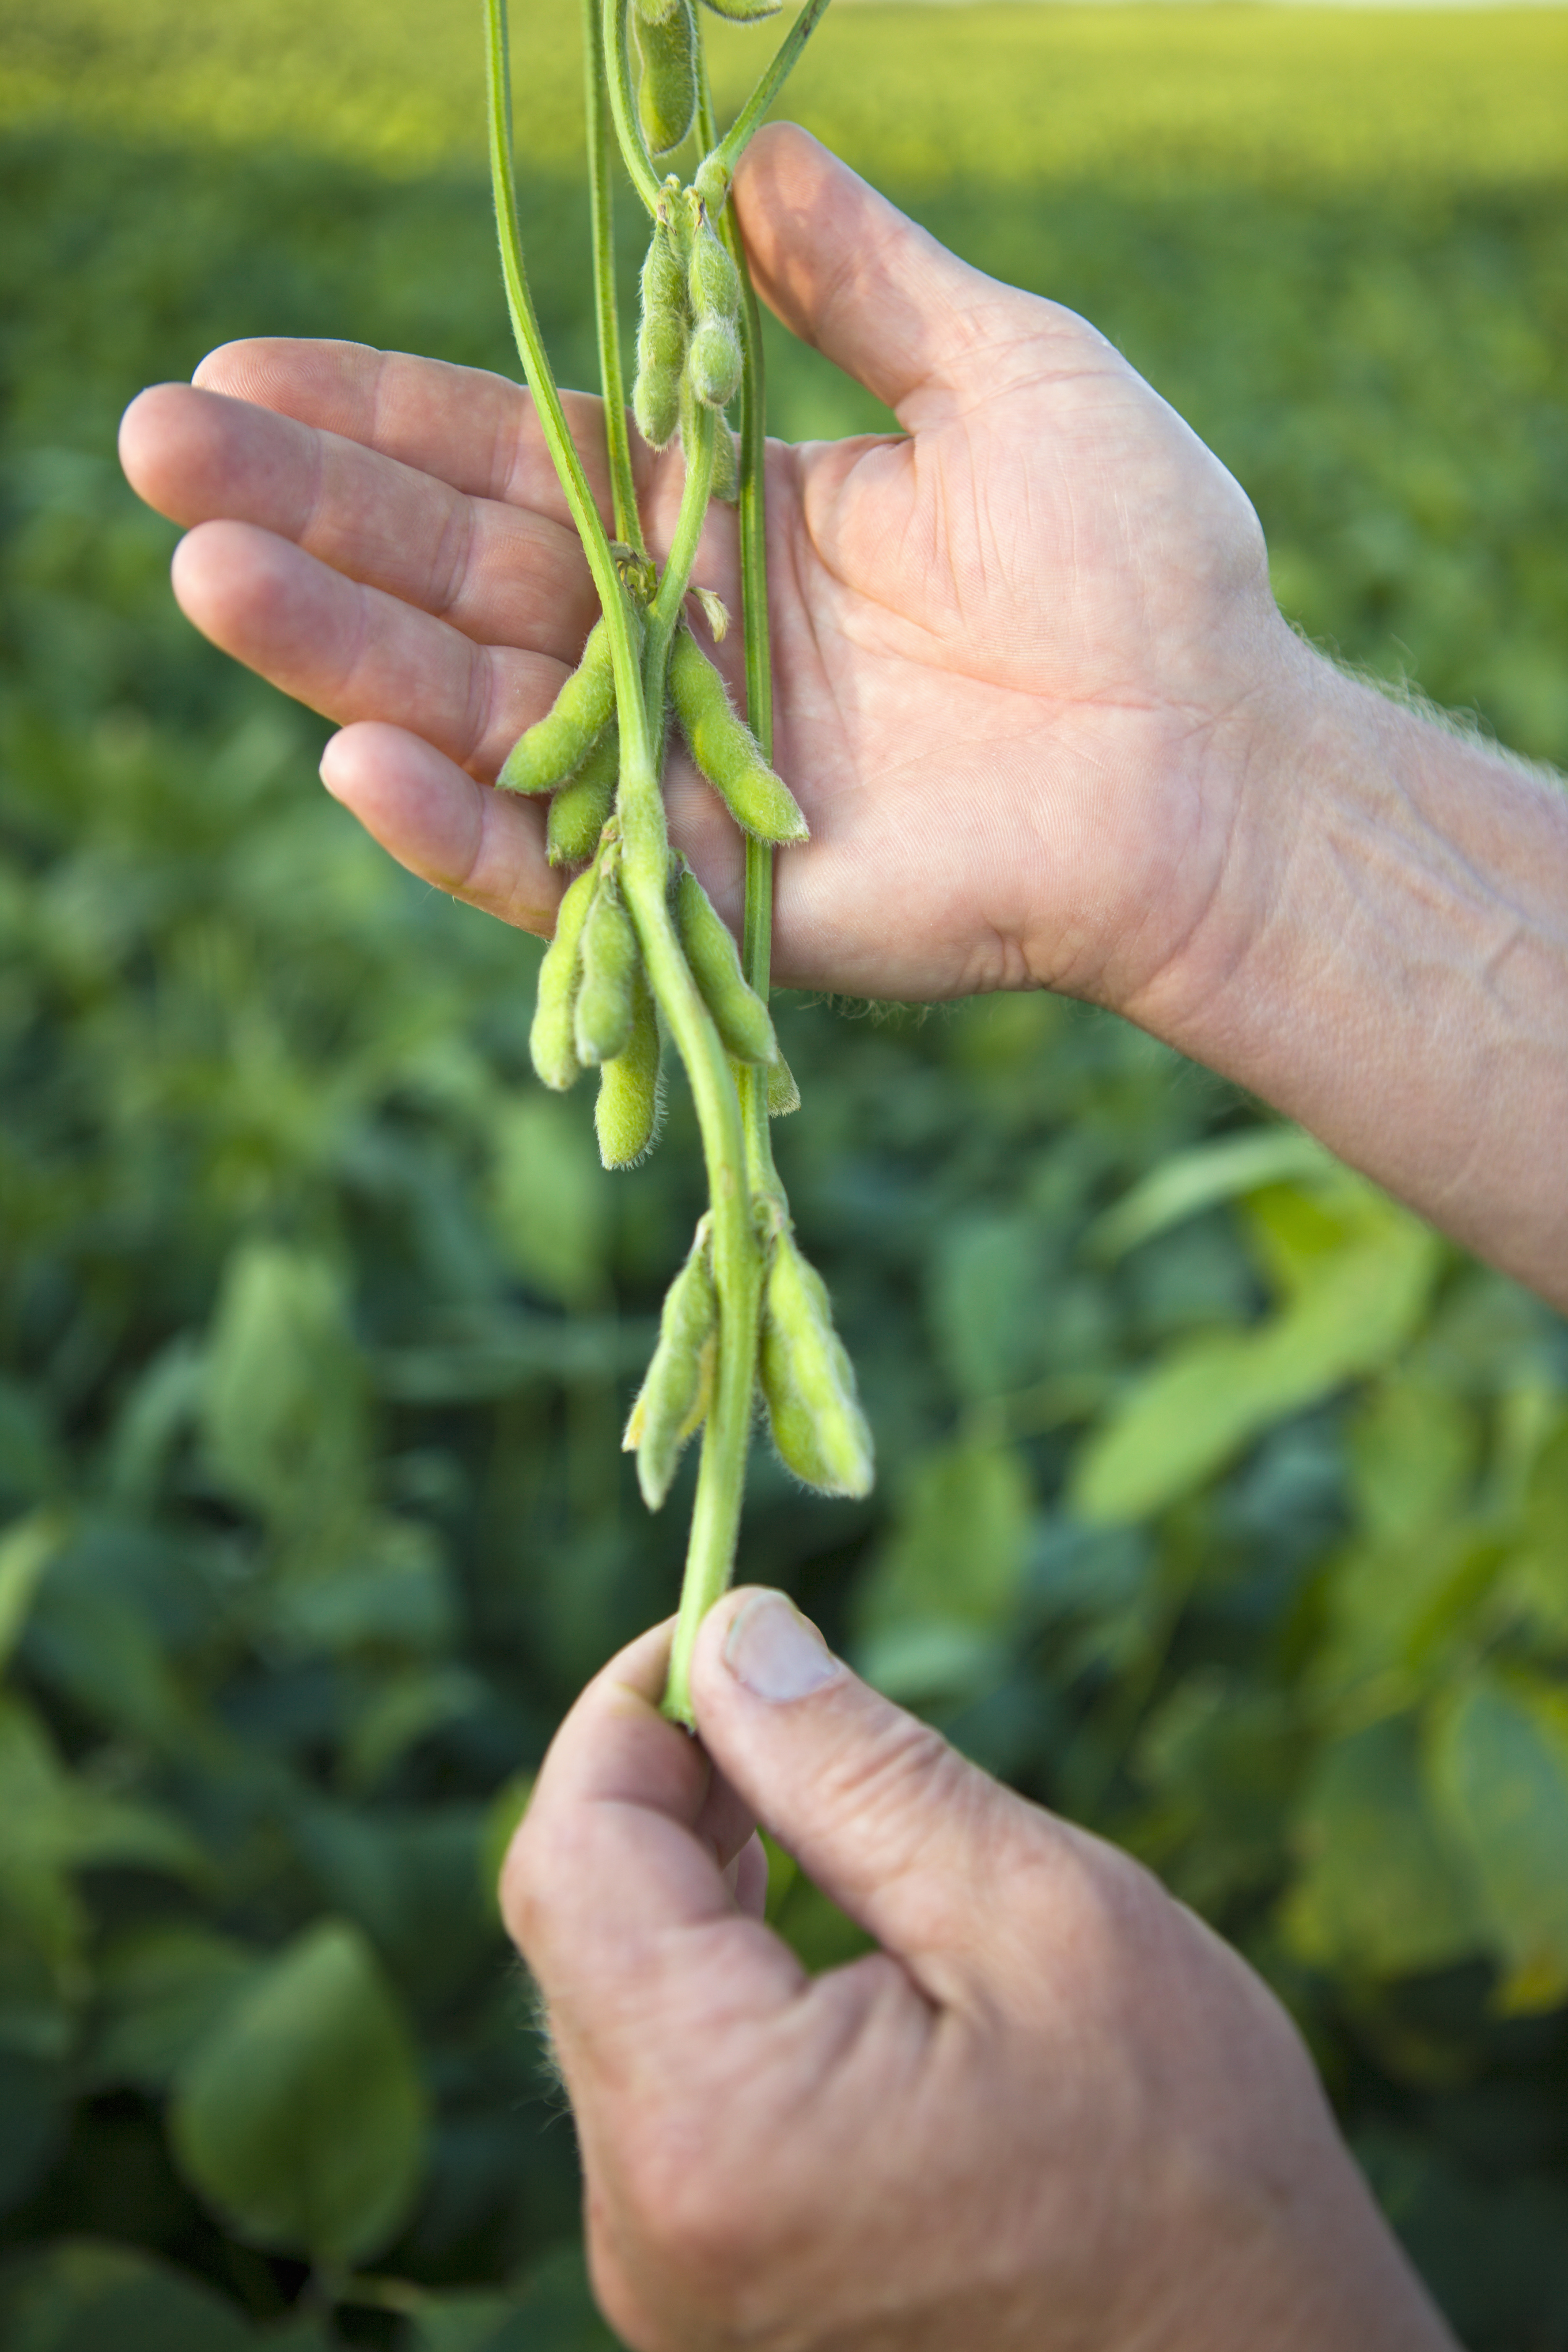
x=1051 y=2113
x=1037 y=699
x=1032 y=681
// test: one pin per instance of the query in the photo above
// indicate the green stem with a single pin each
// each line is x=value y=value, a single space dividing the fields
x=737 y=1257
x=622 y=106
x=757 y=921
x=551 y=416
x=749 y=120
x=644 y=861
x=602 y=213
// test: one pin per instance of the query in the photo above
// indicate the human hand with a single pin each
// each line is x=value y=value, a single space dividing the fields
x=1016 y=651
x=1052 y=2111
x=1035 y=696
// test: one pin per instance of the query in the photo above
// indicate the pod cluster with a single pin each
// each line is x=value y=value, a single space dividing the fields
x=688 y=340
x=596 y=1006
x=573 y=752
x=667 y=44
x=805 y=1378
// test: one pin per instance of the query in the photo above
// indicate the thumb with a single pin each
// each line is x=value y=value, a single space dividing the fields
x=848 y=273
x=903 y=1834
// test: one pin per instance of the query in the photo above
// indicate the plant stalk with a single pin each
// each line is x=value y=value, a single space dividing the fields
x=602 y=216
x=622 y=106
x=736 y=140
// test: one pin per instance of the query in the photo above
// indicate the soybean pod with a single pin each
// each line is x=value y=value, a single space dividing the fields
x=626 y=1115
x=552 y=1040
x=602 y=1019
x=807 y=1381
x=725 y=749
x=740 y=1015
x=580 y=808
x=555 y=747
x=673 y=1402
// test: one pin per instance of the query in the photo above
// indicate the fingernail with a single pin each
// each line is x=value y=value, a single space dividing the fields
x=775 y=1651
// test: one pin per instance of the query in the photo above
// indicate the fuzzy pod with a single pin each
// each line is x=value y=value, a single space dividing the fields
x=712 y=280
x=745 y=11
x=784 y=1094
x=556 y=745
x=611 y=960
x=674 y=1399
x=738 y=1013
x=656 y=12
x=626 y=1115
x=663 y=331
x=714 y=363
x=667 y=94
x=552 y=1040
x=808 y=1381
x=725 y=749
x=579 y=808
x=726 y=471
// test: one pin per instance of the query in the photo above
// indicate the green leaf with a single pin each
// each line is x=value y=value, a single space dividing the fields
x=27 y=1549
x=503 y=1818
x=945 y=1586
x=1191 y=1181
x=52 y=1821
x=301 y=2118
x=1355 y=1304
x=35 y=2109
x=551 y=1199
x=1414 y=1452
x=282 y=1412
x=986 y=1284
x=1379 y=1890
x=81 y=2295
x=1397 y=1610
x=161 y=1991
x=1499 y=1765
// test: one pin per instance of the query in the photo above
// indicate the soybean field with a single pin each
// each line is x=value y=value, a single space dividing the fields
x=319 y=1320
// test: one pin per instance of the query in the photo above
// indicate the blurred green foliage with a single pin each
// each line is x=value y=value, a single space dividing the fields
x=1221 y=1505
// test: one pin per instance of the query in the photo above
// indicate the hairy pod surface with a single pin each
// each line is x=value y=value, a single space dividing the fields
x=626 y=1116
x=713 y=362
x=745 y=11
x=726 y=472
x=725 y=749
x=552 y=1040
x=712 y=280
x=663 y=331
x=656 y=12
x=808 y=1381
x=784 y=1094
x=667 y=95
x=556 y=745
x=611 y=960
x=738 y=1013
x=674 y=1399
x=579 y=807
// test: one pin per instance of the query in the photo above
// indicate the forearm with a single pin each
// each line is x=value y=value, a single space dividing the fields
x=1386 y=960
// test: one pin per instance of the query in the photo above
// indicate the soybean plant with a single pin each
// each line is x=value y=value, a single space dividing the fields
x=640 y=955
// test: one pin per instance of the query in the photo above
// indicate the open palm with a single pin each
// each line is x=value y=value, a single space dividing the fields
x=1018 y=649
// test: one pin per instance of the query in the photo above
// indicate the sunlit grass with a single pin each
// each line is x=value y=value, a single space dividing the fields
x=927 y=95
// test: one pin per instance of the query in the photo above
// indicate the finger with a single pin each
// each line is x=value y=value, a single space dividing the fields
x=502 y=574
x=748 y=1875
x=900 y=1830
x=847 y=272
x=466 y=425
x=613 y=1889
x=472 y=842
x=352 y=652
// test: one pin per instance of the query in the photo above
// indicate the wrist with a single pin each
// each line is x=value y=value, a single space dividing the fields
x=1385 y=957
